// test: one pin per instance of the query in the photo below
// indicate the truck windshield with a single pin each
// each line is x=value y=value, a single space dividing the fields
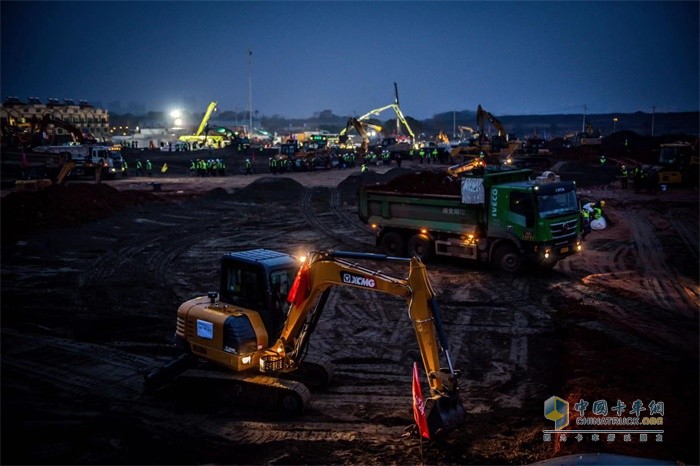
x=551 y=205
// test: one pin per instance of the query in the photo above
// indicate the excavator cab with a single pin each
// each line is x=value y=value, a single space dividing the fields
x=259 y=280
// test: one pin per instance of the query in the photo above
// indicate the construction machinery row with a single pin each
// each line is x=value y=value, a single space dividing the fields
x=44 y=157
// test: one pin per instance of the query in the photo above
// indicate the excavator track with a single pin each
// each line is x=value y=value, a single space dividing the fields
x=213 y=384
x=287 y=396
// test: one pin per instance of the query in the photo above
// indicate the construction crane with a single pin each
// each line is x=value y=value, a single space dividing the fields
x=399 y=114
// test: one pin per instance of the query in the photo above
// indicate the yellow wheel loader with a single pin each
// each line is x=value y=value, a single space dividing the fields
x=259 y=323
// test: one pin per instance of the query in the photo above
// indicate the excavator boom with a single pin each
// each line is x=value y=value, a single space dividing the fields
x=482 y=114
x=205 y=120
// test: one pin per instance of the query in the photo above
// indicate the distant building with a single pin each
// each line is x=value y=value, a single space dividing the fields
x=82 y=114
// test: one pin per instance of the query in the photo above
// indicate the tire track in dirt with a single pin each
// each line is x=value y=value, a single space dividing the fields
x=79 y=368
x=353 y=222
x=686 y=233
x=314 y=221
x=491 y=319
x=657 y=277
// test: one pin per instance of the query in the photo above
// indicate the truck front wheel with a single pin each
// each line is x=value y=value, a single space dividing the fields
x=393 y=244
x=421 y=247
x=508 y=259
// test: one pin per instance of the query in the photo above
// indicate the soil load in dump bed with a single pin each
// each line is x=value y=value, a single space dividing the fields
x=424 y=182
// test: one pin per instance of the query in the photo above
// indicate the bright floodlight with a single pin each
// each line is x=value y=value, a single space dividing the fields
x=178 y=121
x=177 y=113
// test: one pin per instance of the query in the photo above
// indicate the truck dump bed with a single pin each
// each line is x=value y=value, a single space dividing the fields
x=430 y=200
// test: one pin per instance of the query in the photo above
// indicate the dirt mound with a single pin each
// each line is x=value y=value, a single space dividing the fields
x=216 y=194
x=270 y=189
x=64 y=205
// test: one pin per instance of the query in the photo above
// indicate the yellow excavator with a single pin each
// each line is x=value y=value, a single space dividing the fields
x=64 y=163
x=257 y=329
x=361 y=128
x=474 y=164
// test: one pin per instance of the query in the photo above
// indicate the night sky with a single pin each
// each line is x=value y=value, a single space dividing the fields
x=511 y=57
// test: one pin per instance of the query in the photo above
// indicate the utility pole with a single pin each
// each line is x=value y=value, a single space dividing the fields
x=583 y=128
x=250 y=92
x=653 y=115
x=454 y=124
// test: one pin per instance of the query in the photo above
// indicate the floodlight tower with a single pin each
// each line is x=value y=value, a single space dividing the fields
x=250 y=91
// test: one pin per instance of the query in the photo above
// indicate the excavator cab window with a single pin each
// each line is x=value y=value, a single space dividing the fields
x=259 y=289
x=280 y=283
x=243 y=287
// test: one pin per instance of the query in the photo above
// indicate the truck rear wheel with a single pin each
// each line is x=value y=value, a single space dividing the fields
x=393 y=244
x=421 y=247
x=508 y=259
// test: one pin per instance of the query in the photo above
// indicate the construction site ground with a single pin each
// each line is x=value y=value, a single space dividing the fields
x=92 y=275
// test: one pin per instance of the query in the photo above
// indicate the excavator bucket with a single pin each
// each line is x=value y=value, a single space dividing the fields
x=445 y=413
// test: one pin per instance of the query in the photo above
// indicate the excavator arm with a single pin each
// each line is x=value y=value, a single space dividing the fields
x=205 y=120
x=308 y=296
x=360 y=128
x=482 y=114
x=75 y=132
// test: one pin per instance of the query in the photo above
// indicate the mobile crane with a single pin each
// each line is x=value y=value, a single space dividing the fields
x=262 y=338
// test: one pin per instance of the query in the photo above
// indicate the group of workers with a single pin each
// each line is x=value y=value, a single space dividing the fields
x=208 y=167
x=641 y=178
x=427 y=155
x=592 y=217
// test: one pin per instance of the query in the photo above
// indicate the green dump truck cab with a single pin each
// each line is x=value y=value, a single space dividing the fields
x=502 y=217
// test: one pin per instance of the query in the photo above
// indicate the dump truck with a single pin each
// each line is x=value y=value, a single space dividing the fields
x=499 y=216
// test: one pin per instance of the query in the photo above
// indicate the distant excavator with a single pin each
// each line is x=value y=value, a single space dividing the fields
x=202 y=138
x=399 y=115
x=361 y=128
x=498 y=142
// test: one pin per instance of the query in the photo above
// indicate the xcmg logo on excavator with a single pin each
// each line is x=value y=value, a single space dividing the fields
x=359 y=280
